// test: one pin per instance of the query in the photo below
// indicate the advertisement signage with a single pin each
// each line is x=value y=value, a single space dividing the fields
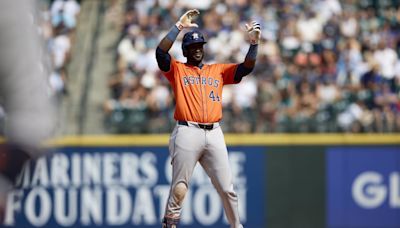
x=363 y=187
x=128 y=187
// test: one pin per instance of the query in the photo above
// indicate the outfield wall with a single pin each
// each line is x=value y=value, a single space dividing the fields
x=282 y=181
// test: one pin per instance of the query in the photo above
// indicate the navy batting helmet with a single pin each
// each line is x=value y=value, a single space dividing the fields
x=192 y=37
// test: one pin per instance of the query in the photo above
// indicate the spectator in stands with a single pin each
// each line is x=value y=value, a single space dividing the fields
x=64 y=12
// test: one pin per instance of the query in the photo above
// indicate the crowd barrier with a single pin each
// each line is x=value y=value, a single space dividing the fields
x=281 y=180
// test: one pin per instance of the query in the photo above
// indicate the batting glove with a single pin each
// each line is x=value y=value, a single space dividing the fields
x=186 y=19
x=254 y=32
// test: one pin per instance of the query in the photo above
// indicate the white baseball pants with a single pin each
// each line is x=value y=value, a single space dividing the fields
x=191 y=144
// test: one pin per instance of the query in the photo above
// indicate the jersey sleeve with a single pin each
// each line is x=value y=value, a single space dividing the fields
x=228 y=71
x=170 y=74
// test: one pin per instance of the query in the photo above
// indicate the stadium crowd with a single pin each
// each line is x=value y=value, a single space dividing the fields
x=58 y=26
x=323 y=65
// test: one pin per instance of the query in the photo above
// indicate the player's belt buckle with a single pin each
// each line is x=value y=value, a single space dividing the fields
x=202 y=126
x=206 y=126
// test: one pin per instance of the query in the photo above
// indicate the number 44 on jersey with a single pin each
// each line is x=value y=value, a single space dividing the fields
x=214 y=97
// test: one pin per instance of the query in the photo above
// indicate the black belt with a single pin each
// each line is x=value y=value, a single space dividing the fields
x=202 y=126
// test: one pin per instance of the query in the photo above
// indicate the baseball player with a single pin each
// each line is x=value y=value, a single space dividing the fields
x=197 y=136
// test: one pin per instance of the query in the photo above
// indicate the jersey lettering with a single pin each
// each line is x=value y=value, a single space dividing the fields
x=192 y=80
x=185 y=81
x=203 y=80
x=216 y=83
x=210 y=81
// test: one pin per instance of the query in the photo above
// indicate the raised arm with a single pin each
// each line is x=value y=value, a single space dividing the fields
x=246 y=67
x=162 y=56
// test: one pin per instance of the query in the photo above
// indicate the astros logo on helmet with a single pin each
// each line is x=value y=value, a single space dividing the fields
x=192 y=37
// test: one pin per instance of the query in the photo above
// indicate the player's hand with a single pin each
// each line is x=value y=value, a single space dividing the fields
x=254 y=31
x=186 y=19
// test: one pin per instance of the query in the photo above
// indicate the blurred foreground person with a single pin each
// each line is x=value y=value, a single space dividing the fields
x=24 y=91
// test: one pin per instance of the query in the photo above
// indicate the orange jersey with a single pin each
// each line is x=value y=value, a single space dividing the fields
x=198 y=92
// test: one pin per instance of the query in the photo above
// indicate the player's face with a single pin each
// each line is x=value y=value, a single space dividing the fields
x=195 y=52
